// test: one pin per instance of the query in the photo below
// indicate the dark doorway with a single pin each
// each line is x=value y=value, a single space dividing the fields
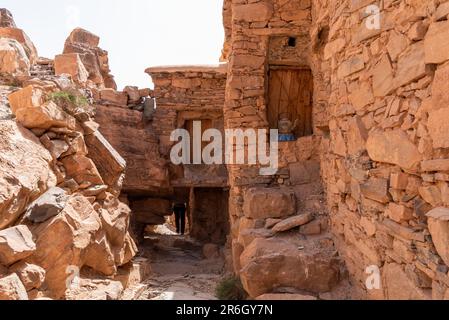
x=210 y=215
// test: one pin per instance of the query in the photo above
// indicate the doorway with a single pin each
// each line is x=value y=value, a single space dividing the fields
x=290 y=92
x=210 y=215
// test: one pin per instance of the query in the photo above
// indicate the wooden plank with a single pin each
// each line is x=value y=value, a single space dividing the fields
x=285 y=87
x=294 y=91
x=274 y=95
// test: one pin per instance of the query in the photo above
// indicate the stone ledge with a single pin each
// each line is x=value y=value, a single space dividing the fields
x=217 y=68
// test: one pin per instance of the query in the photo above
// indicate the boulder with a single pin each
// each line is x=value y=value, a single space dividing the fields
x=16 y=244
x=84 y=37
x=114 y=97
x=47 y=206
x=14 y=59
x=133 y=94
x=438 y=221
x=82 y=169
x=72 y=65
x=32 y=276
x=6 y=19
x=25 y=171
x=108 y=161
x=436 y=43
x=393 y=147
x=34 y=112
x=21 y=37
x=11 y=288
x=293 y=222
x=76 y=227
x=268 y=264
x=96 y=290
x=47 y=116
x=263 y=203
x=98 y=255
x=399 y=286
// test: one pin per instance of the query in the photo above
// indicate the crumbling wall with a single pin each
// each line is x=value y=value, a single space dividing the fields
x=183 y=94
x=388 y=161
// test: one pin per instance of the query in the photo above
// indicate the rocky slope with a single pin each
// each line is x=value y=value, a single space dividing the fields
x=60 y=216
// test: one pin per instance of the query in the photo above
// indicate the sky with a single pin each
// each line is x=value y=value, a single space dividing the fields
x=137 y=33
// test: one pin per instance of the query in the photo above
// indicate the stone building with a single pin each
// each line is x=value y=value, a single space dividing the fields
x=370 y=107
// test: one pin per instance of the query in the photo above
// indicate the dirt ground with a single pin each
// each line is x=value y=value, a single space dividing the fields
x=179 y=271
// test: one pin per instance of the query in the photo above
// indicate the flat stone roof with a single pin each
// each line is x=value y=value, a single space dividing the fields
x=212 y=68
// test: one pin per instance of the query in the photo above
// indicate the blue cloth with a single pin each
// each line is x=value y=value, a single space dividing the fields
x=287 y=137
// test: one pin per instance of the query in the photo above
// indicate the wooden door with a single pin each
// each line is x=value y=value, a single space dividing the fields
x=206 y=124
x=290 y=91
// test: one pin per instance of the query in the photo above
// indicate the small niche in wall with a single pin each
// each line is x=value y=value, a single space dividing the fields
x=290 y=92
x=291 y=42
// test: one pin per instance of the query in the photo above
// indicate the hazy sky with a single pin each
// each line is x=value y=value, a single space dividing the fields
x=136 y=33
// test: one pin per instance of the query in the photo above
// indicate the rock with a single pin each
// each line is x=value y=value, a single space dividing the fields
x=211 y=251
x=14 y=59
x=146 y=170
x=399 y=286
x=76 y=227
x=45 y=117
x=96 y=290
x=310 y=229
x=98 y=255
x=21 y=37
x=440 y=95
x=109 y=163
x=270 y=223
x=438 y=220
x=293 y=222
x=31 y=110
x=398 y=180
x=254 y=12
x=376 y=189
x=133 y=94
x=304 y=172
x=436 y=43
x=285 y=297
x=47 y=206
x=393 y=147
x=263 y=203
x=383 y=77
x=350 y=66
x=160 y=207
x=16 y=244
x=84 y=37
x=25 y=171
x=411 y=66
x=431 y=194
x=399 y=213
x=94 y=59
x=438 y=127
x=12 y=289
x=82 y=170
x=114 y=98
x=356 y=136
x=115 y=220
x=246 y=237
x=267 y=264
x=32 y=276
x=435 y=165
x=56 y=147
x=72 y=65
x=6 y=19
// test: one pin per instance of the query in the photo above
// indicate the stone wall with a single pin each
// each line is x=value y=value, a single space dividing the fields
x=267 y=212
x=183 y=94
x=387 y=167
